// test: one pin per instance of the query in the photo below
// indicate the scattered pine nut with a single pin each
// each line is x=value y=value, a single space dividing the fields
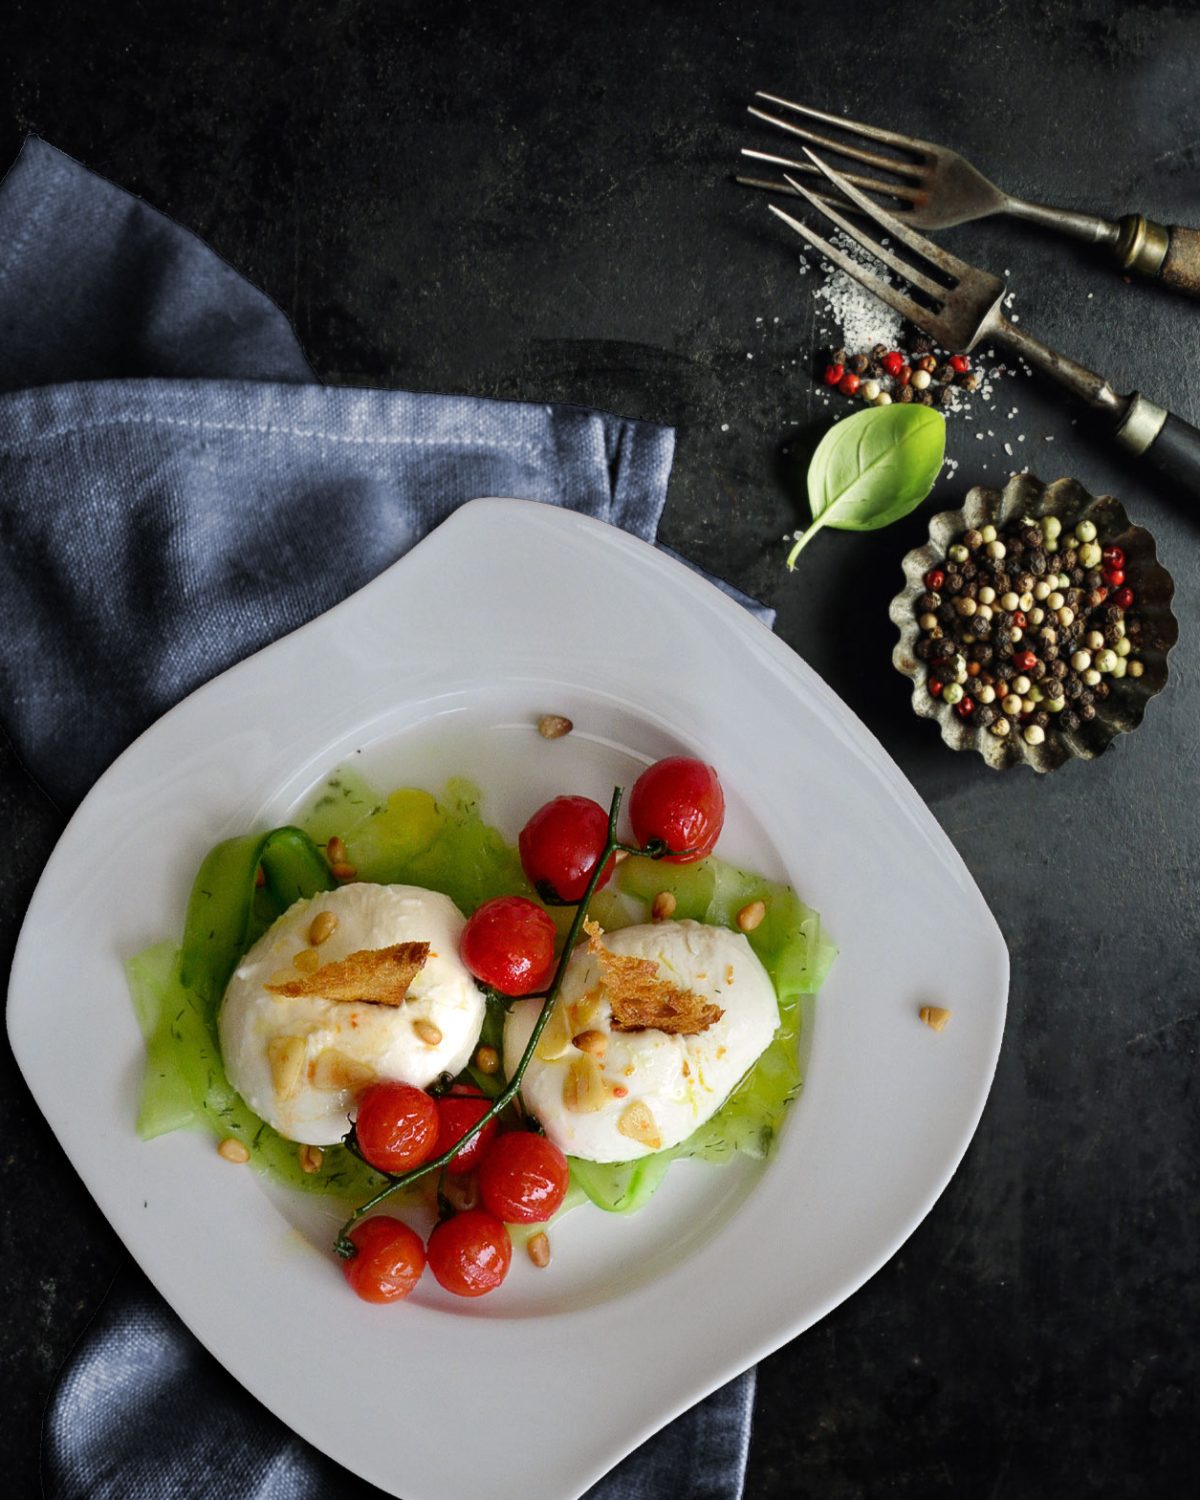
x=554 y=726
x=286 y=1056
x=487 y=1059
x=234 y=1150
x=311 y=1158
x=335 y=851
x=282 y=976
x=594 y=1042
x=307 y=961
x=428 y=1032
x=461 y=1191
x=620 y=1091
x=342 y=871
x=751 y=915
x=935 y=1016
x=324 y=924
x=538 y=1249
x=663 y=906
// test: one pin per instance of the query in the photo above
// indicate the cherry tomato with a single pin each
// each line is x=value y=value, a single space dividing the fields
x=396 y=1127
x=389 y=1262
x=678 y=800
x=524 y=1178
x=457 y=1112
x=560 y=846
x=509 y=944
x=470 y=1254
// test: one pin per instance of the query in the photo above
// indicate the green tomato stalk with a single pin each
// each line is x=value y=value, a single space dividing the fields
x=655 y=849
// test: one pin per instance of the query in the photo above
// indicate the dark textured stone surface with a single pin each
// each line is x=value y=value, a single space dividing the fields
x=532 y=201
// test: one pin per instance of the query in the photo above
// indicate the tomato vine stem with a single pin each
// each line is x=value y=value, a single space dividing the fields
x=655 y=849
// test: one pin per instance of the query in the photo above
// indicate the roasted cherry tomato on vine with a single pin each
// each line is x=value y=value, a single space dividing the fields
x=509 y=944
x=524 y=1178
x=457 y=1111
x=389 y=1261
x=396 y=1127
x=680 y=801
x=470 y=1254
x=561 y=845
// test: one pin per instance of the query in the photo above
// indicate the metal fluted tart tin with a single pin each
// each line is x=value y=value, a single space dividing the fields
x=1124 y=708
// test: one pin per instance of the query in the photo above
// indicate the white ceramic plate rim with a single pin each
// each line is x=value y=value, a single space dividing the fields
x=888 y=1110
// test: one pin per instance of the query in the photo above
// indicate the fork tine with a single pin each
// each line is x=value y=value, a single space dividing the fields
x=773 y=185
x=905 y=306
x=907 y=236
x=840 y=148
x=872 y=132
x=868 y=184
x=904 y=268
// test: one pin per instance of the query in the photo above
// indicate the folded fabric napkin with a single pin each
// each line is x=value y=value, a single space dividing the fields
x=176 y=491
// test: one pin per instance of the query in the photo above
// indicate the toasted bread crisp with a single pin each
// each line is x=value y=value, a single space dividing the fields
x=372 y=976
x=642 y=1000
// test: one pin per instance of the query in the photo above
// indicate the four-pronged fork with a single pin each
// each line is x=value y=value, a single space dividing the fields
x=959 y=305
x=932 y=187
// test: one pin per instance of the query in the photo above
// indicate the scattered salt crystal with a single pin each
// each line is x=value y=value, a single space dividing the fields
x=749 y=355
x=1008 y=449
x=724 y=426
x=863 y=320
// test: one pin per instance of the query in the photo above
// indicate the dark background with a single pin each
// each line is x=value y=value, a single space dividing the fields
x=533 y=200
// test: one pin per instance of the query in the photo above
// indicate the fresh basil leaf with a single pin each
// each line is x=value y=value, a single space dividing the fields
x=873 y=468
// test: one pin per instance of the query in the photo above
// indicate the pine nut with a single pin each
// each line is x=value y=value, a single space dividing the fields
x=286 y=1056
x=751 y=915
x=538 y=1249
x=324 y=925
x=343 y=872
x=487 y=1059
x=663 y=906
x=234 y=1150
x=638 y=1124
x=935 y=1016
x=594 y=1042
x=428 y=1032
x=335 y=851
x=307 y=961
x=311 y=1158
x=554 y=726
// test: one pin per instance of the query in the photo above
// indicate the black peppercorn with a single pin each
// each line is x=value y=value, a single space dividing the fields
x=1087 y=696
x=1037 y=562
x=1102 y=691
x=920 y=343
x=859 y=364
x=878 y=351
x=948 y=398
x=924 y=398
x=1058 y=669
x=943 y=649
x=985 y=714
x=954 y=583
x=1037 y=671
x=1087 y=711
x=972 y=540
x=981 y=652
x=1066 y=559
x=1112 y=614
x=943 y=671
x=905 y=395
x=1093 y=578
x=928 y=602
x=1042 y=719
x=923 y=650
x=1032 y=536
x=839 y=357
x=1112 y=635
x=946 y=613
x=1069 y=720
x=1072 y=688
x=969 y=382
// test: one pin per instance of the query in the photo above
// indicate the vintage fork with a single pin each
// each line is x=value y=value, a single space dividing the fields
x=936 y=188
x=965 y=307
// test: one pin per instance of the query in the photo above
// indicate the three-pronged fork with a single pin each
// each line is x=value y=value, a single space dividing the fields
x=932 y=187
x=959 y=305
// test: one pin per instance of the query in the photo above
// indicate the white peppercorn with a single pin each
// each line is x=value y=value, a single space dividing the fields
x=952 y=693
x=928 y=622
x=1081 y=661
x=1011 y=704
x=1094 y=639
x=1091 y=677
x=987 y=534
x=1051 y=527
x=1090 y=555
x=1106 y=661
x=1086 y=531
x=996 y=550
x=1010 y=601
x=869 y=390
x=1021 y=685
x=1055 y=600
x=1000 y=728
x=1034 y=734
x=1026 y=600
x=1066 y=616
x=987 y=693
x=883 y=399
x=920 y=380
x=958 y=553
x=1120 y=667
x=1036 y=615
x=1017 y=633
x=1135 y=668
x=1124 y=646
x=986 y=595
x=1041 y=590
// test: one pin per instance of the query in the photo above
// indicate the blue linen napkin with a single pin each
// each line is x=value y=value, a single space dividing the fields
x=176 y=491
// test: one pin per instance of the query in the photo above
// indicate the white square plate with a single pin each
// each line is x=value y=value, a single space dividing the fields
x=440 y=667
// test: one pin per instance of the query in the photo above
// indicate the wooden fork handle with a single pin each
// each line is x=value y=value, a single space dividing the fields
x=1172 y=255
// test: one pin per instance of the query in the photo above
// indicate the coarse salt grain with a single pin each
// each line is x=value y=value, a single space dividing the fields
x=863 y=319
